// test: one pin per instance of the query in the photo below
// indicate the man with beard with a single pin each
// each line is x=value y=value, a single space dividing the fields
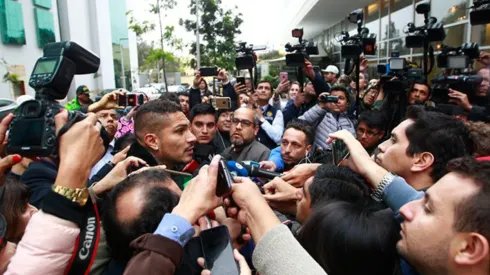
x=419 y=94
x=163 y=136
x=244 y=128
x=295 y=147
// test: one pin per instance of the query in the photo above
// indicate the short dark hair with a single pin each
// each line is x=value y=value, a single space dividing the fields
x=173 y=97
x=304 y=127
x=421 y=83
x=158 y=201
x=480 y=134
x=352 y=239
x=343 y=89
x=149 y=115
x=265 y=81
x=124 y=141
x=183 y=94
x=444 y=137
x=337 y=183
x=202 y=109
x=374 y=120
x=472 y=214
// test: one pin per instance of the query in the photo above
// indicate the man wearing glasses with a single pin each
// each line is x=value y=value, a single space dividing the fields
x=371 y=129
x=244 y=128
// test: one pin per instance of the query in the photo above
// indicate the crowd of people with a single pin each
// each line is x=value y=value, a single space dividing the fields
x=411 y=197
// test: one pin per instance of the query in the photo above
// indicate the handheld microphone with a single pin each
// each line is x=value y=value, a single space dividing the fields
x=259 y=173
x=236 y=169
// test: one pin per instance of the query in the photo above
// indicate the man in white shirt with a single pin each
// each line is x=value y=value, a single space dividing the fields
x=271 y=119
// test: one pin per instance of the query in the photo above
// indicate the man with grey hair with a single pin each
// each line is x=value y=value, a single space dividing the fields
x=244 y=129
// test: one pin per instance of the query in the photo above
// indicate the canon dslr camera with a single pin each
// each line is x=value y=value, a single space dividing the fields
x=32 y=132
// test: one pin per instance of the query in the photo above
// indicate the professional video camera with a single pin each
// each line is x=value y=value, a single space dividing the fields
x=298 y=53
x=459 y=58
x=481 y=12
x=247 y=59
x=459 y=74
x=421 y=37
x=32 y=132
x=246 y=56
x=404 y=72
x=361 y=43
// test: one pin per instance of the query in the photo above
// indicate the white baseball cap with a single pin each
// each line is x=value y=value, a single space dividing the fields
x=331 y=69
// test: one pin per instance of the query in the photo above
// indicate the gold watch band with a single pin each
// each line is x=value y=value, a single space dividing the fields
x=78 y=195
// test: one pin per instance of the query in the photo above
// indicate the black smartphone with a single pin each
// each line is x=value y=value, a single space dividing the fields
x=223 y=186
x=330 y=98
x=208 y=71
x=218 y=251
x=122 y=100
x=189 y=265
x=339 y=151
x=240 y=80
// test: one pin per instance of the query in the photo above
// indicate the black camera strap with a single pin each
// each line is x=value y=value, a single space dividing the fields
x=87 y=242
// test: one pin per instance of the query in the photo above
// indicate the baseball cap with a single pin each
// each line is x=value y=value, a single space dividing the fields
x=331 y=69
x=83 y=89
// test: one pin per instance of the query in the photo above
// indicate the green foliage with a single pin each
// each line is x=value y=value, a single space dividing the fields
x=218 y=29
x=139 y=28
x=275 y=54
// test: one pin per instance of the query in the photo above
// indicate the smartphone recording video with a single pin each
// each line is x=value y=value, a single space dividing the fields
x=339 y=152
x=218 y=251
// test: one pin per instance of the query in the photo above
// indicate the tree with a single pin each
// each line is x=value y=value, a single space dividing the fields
x=157 y=9
x=218 y=29
x=275 y=54
x=143 y=52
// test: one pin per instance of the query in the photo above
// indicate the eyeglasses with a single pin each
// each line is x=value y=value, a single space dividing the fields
x=368 y=133
x=245 y=123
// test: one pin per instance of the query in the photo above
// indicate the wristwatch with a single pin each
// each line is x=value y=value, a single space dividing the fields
x=78 y=195
x=377 y=194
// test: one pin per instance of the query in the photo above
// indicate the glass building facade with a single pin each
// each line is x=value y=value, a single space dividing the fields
x=388 y=19
x=120 y=44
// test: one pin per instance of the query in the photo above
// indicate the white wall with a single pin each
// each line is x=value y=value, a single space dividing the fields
x=87 y=23
x=25 y=55
x=133 y=47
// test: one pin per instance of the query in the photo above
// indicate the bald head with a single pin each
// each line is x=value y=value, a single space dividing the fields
x=135 y=207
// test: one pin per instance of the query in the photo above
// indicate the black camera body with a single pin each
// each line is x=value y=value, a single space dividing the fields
x=362 y=43
x=404 y=73
x=461 y=83
x=458 y=58
x=32 y=133
x=246 y=56
x=481 y=12
x=431 y=31
x=297 y=53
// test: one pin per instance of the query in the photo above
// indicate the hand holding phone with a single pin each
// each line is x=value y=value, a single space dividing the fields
x=208 y=71
x=217 y=250
x=339 y=151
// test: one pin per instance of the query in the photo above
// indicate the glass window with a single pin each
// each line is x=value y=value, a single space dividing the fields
x=456 y=35
x=45 y=27
x=400 y=19
x=43 y=3
x=449 y=11
x=383 y=49
x=398 y=45
x=481 y=34
x=373 y=27
x=12 y=23
x=397 y=5
x=384 y=20
x=372 y=12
